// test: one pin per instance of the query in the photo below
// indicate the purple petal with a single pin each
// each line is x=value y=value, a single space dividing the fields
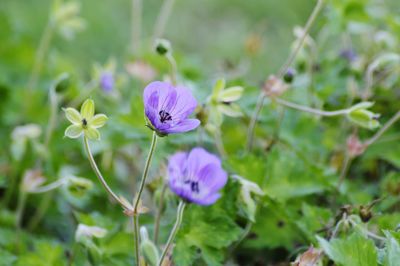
x=198 y=158
x=177 y=166
x=184 y=126
x=210 y=199
x=185 y=104
x=212 y=177
x=158 y=93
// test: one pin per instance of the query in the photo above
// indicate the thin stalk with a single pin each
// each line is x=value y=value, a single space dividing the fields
x=139 y=194
x=383 y=129
x=135 y=221
x=159 y=213
x=136 y=25
x=344 y=170
x=162 y=19
x=307 y=28
x=40 y=55
x=99 y=175
x=253 y=121
x=20 y=209
x=174 y=70
x=310 y=110
x=174 y=231
x=145 y=172
x=283 y=70
x=49 y=187
x=219 y=143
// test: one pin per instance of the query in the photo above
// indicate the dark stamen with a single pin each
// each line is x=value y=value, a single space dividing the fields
x=84 y=122
x=164 y=116
x=194 y=186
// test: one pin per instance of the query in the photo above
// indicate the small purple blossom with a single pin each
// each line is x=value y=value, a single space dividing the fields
x=196 y=176
x=107 y=81
x=167 y=108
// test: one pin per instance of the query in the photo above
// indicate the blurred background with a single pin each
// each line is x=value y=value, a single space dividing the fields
x=55 y=54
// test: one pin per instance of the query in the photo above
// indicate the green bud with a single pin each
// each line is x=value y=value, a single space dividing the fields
x=148 y=248
x=362 y=117
x=163 y=46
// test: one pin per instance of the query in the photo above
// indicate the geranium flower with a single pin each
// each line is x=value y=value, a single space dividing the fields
x=196 y=176
x=107 y=81
x=167 y=108
x=84 y=122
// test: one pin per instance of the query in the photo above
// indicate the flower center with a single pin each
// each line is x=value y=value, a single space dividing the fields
x=164 y=116
x=194 y=186
x=84 y=122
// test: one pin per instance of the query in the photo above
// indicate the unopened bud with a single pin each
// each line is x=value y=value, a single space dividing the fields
x=163 y=46
x=289 y=75
x=148 y=248
x=354 y=146
x=32 y=180
x=274 y=87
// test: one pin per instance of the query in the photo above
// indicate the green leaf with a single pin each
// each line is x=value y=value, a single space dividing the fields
x=392 y=248
x=355 y=250
x=208 y=229
x=7 y=258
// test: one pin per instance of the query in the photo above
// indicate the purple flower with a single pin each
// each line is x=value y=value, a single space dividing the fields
x=167 y=108
x=196 y=176
x=107 y=81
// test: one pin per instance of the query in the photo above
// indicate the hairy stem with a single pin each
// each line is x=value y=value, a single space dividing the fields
x=174 y=71
x=283 y=70
x=139 y=194
x=49 y=187
x=310 y=110
x=344 y=170
x=162 y=19
x=99 y=175
x=40 y=55
x=159 y=213
x=383 y=129
x=179 y=216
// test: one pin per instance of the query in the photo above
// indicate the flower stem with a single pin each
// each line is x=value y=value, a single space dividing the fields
x=20 y=209
x=310 y=110
x=283 y=70
x=135 y=221
x=383 y=129
x=162 y=19
x=344 y=170
x=179 y=215
x=172 y=63
x=99 y=175
x=40 y=54
x=159 y=213
x=49 y=187
x=139 y=193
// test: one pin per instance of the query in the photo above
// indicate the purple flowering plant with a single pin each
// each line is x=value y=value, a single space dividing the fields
x=196 y=176
x=167 y=108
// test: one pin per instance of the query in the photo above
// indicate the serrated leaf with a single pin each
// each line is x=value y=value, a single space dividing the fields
x=355 y=250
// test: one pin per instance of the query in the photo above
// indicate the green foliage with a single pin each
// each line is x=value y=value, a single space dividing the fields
x=283 y=195
x=355 y=250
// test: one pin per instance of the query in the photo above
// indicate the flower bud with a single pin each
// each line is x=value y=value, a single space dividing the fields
x=274 y=87
x=354 y=146
x=359 y=115
x=289 y=75
x=308 y=258
x=365 y=213
x=148 y=248
x=163 y=46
